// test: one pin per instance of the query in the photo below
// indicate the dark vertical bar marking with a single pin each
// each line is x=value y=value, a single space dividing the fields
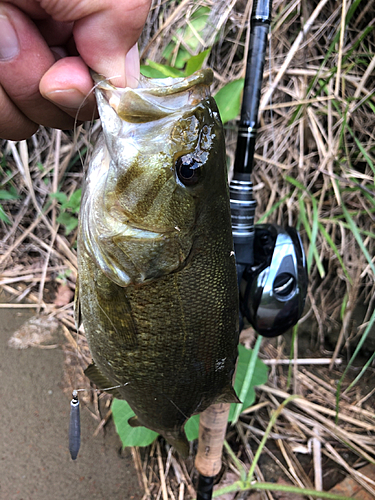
x=74 y=427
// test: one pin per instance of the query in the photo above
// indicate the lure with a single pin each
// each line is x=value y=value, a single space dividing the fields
x=74 y=426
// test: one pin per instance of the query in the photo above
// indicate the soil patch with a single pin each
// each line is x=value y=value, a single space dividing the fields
x=34 y=459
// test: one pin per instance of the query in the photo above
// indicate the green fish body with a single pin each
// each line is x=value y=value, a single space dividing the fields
x=157 y=289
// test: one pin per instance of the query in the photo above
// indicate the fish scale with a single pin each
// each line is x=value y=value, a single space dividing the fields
x=157 y=289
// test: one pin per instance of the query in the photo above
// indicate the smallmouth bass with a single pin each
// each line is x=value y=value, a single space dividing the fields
x=157 y=289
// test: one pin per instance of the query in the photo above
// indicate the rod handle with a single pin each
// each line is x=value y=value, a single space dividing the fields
x=212 y=428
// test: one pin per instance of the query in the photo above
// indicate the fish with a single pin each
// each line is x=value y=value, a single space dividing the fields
x=157 y=286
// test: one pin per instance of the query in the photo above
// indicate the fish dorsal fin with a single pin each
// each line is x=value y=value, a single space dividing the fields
x=100 y=380
x=227 y=396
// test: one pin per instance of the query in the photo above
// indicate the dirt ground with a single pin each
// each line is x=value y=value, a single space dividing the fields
x=34 y=418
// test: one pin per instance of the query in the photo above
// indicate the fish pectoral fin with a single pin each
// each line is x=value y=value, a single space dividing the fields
x=101 y=381
x=227 y=396
x=178 y=440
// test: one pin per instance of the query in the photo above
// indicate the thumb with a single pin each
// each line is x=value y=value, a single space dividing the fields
x=105 y=34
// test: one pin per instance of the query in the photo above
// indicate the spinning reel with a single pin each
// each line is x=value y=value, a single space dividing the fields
x=271 y=263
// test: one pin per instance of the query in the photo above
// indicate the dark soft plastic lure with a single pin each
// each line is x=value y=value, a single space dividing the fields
x=157 y=286
x=74 y=427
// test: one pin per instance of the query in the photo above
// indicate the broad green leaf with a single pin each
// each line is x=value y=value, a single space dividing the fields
x=228 y=100
x=151 y=72
x=130 y=436
x=192 y=428
x=165 y=70
x=196 y=62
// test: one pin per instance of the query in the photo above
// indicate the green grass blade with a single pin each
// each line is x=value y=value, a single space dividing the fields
x=313 y=251
x=291 y=356
x=362 y=149
x=334 y=248
x=290 y=490
x=3 y=216
x=354 y=355
x=357 y=235
x=272 y=209
x=312 y=232
x=248 y=378
x=271 y=423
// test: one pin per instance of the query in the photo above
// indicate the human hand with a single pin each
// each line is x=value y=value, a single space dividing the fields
x=46 y=48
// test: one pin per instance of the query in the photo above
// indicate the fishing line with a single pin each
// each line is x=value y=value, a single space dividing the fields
x=104 y=389
x=75 y=418
x=75 y=127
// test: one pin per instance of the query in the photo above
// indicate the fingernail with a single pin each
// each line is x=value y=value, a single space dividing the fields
x=9 y=46
x=68 y=98
x=132 y=67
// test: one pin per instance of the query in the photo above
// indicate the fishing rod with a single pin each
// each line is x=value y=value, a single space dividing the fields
x=213 y=421
x=270 y=260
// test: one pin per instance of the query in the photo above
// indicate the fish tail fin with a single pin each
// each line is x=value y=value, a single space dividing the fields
x=179 y=441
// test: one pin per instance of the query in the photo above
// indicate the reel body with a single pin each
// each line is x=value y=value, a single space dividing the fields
x=273 y=289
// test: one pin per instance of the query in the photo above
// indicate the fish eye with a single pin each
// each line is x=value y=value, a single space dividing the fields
x=188 y=170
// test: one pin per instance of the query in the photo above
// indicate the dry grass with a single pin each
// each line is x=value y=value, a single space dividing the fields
x=316 y=128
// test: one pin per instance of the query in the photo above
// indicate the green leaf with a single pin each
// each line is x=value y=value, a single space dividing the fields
x=59 y=196
x=164 y=70
x=196 y=62
x=74 y=201
x=228 y=100
x=3 y=216
x=192 y=428
x=187 y=39
x=130 y=436
x=182 y=57
x=68 y=220
x=9 y=195
x=151 y=72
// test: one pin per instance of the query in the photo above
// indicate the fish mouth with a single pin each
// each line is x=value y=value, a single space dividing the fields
x=155 y=98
